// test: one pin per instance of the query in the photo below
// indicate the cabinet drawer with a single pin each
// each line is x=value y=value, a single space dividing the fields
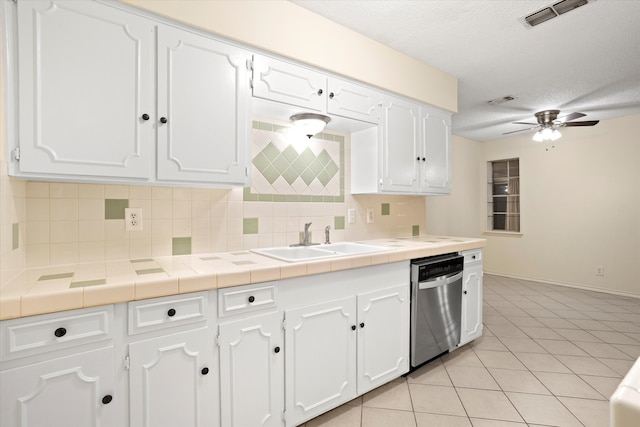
x=244 y=299
x=159 y=313
x=474 y=256
x=37 y=334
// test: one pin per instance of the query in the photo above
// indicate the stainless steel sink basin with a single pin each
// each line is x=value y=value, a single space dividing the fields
x=309 y=253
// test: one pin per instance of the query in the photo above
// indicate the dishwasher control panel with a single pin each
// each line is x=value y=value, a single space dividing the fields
x=424 y=269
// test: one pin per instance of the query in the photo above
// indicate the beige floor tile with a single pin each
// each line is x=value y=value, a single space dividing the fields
x=342 y=416
x=577 y=335
x=435 y=399
x=631 y=350
x=541 y=409
x=488 y=343
x=376 y=417
x=465 y=356
x=524 y=321
x=603 y=385
x=499 y=359
x=542 y=362
x=561 y=347
x=620 y=367
x=432 y=373
x=437 y=420
x=488 y=404
x=569 y=385
x=592 y=413
x=472 y=377
x=556 y=322
x=393 y=395
x=522 y=345
x=518 y=381
x=602 y=350
x=480 y=422
x=502 y=331
x=542 y=333
x=587 y=366
x=614 y=337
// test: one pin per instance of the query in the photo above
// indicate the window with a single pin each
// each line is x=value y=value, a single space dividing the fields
x=503 y=195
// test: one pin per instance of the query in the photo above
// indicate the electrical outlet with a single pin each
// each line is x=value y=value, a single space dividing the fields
x=599 y=270
x=133 y=219
x=351 y=216
x=370 y=216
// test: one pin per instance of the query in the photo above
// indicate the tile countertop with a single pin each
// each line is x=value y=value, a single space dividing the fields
x=67 y=287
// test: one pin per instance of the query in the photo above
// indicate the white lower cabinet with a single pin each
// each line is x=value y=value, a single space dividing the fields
x=471 y=296
x=252 y=371
x=76 y=390
x=320 y=358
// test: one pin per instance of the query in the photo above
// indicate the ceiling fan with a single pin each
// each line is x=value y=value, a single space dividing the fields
x=549 y=123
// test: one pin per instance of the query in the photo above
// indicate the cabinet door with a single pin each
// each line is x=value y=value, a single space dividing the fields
x=252 y=371
x=436 y=149
x=86 y=79
x=320 y=358
x=353 y=101
x=283 y=82
x=203 y=100
x=399 y=137
x=383 y=336
x=172 y=380
x=76 y=390
x=471 y=304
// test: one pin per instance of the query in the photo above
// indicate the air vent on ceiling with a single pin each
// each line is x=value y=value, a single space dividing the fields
x=550 y=12
x=501 y=100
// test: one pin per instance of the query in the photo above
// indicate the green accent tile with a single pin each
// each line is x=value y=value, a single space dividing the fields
x=290 y=175
x=293 y=198
x=338 y=223
x=114 y=208
x=340 y=198
x=328 y=199
x=279 y=128
x=385 y=209
x=271 y=174
x=250 y=197
x=290 y=154
x=332 y=168
x=15 y=236
x=281 y=163
x=316 y=167
x=317 y=199
x=210 y=258
x=261 y=162
x=240 y=253
x=150 y=271
x=307 y=156
x=324 y=158
x=339 y=138
x=279 y=198
x=86 y=283
x=308 y=176
x=305 y=198
x=415 y=230
x=181 y=246
x=265 y=197
x=324 y=178
x=250 y=226
x=299 y=165
x=133 y=261
x=255 y=124
x=242 y=262
x=265 y=126
x=55 y=276
x=271 y=152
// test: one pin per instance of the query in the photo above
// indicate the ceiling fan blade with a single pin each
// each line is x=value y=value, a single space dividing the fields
x=585 y=123
x=525 y=123
x=520 y=130
x=571 y=116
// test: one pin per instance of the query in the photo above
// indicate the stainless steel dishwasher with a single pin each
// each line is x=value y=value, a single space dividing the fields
x=436 y=300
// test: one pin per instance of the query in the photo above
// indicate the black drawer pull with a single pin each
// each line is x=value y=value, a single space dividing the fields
x=276 y=350
x=205 y=371
x=353 y=327
x=107 y=399
x=362 y=325
x=171 y=312
x=320 y=92
x=252 y=299
x=60 y=332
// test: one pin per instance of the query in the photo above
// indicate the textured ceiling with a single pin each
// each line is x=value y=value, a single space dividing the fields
x=587 y=60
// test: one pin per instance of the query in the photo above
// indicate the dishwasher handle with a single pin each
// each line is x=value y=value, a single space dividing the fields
x=440 y=281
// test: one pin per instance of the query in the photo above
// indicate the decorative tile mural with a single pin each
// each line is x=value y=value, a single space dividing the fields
x=293 y=168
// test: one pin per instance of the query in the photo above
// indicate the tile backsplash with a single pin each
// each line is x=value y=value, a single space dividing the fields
x=292 y=184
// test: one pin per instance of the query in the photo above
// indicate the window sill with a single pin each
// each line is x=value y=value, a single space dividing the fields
x=502 y=233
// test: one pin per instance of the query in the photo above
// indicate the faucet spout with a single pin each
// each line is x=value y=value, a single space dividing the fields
x=305 y=239
x=327 y=240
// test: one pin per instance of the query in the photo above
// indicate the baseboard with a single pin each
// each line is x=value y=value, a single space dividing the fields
x=568 y=285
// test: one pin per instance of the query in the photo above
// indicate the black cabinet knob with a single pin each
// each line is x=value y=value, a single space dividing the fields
x=353 y=327
x=465 y=292
x=424 y=159
x=362 y=325
x=60 y=332
x=145 y=117
x=171 y=312
x=163 y=120
x=320 y=92
x=276 y=350
x=473 y=257
x=418 y=158
x=331 y=95
x=107 y=399
x=205 y=371
x=252 y=299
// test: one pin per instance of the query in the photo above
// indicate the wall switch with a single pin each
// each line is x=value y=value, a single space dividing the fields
x=133 y=219
x=369 y=215
x=351 y=216
x=599 y=270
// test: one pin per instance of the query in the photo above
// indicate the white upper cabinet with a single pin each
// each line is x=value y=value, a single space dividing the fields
x=409 y=153
x=203 y=109
x=90 y=110
x=86 y=79
x=313 y=91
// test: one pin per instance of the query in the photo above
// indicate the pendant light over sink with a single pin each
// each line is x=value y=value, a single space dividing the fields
x=309 y=123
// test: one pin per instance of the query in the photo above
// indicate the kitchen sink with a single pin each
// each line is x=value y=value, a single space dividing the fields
x=309 y=253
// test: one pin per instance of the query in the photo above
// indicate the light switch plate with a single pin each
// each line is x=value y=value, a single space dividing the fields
x=370 y=219
x=351 y=216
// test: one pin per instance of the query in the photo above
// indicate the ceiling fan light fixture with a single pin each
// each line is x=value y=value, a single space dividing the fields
x=547 y=134
x=310 y=123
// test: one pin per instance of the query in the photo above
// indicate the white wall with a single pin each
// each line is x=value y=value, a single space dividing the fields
x=580 y=206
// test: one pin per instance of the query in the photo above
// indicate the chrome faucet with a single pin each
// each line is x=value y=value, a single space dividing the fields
x=327 y=240
x=305 y=238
